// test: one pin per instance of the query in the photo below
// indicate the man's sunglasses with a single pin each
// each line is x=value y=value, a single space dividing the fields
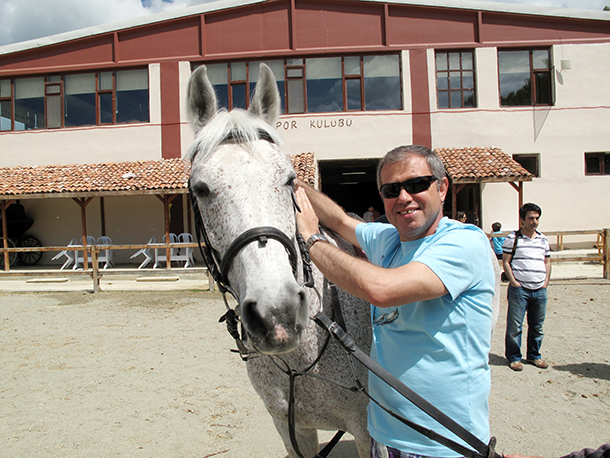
x=412 y=186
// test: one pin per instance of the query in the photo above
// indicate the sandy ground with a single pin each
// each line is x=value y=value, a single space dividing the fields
x=150 y=374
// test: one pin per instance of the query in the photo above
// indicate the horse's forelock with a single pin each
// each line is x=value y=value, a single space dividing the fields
x=237 y=124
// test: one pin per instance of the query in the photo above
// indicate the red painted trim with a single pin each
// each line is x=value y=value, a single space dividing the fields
x=170 y=110
x=422 y=128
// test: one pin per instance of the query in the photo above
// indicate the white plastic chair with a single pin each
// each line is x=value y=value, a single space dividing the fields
x=79 y=258
x=186 y=254
x=173 y=238
x=105 y=255
x=70 y=255
x=147 y=252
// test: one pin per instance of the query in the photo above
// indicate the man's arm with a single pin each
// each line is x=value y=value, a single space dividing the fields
x=329 y=214
x=547 y=266
x=381 y=287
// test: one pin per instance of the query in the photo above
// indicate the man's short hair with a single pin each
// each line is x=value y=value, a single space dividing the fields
x=496 y=227
x=435 y=164
x=529 y=207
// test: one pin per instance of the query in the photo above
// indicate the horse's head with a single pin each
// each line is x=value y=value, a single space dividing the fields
x=242 y=178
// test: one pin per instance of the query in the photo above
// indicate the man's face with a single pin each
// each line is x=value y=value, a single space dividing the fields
x=531 y=221
x=414 y=216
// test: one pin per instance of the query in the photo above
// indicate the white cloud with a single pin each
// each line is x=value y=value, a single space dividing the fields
x=22 y=20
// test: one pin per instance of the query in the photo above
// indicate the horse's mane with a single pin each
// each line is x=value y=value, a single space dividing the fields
x=240 y=125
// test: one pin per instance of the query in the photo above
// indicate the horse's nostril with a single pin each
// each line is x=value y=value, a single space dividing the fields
x=251 y=318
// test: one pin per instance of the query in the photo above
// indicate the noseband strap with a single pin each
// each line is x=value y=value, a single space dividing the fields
x=260 y=234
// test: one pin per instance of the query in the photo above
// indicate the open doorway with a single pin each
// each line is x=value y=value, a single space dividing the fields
x=468 y=200
x=352 y=184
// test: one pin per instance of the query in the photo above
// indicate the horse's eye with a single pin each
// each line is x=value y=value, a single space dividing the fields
x=201 y=190
x=290 y=181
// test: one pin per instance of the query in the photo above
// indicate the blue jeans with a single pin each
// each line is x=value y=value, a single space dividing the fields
x=520 y=301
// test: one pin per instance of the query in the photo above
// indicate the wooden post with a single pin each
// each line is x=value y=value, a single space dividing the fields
x=606 y=253
x=95 y=269
x=82 y=203
x=166 y=201
x=5 y=204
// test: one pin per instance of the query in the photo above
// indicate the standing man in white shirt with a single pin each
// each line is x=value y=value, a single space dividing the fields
x=528 y=269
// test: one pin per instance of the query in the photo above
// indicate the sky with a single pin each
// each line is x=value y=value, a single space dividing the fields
x=22 y=20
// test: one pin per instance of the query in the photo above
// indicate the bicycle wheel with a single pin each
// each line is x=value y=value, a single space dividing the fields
x=12 y=256
x=30 y=258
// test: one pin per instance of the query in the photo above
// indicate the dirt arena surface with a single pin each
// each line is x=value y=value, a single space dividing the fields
x=150 y=374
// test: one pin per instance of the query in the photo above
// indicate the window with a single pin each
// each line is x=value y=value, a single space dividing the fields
x=74 y=100
x=5 y=105
x=530 y=162
x=316 y=85
x=597 y=163
x=455 y=79
x=525 y=77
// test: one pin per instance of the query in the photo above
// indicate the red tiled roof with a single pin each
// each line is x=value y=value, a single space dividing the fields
x=305 y=166
x=138 y=177
x=481 y=164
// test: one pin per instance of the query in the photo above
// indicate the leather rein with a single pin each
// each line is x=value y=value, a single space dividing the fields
x=219 y=266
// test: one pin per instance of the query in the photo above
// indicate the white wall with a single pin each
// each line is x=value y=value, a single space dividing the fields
x=578 y=123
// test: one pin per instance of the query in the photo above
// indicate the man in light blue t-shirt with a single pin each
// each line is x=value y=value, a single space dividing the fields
x=430 y=282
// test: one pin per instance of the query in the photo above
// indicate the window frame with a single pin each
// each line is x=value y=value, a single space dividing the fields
x=535 y=156
x=461 y=70
x=291 y=64
x=57 y=80
x=533 y=71
x=603 y=157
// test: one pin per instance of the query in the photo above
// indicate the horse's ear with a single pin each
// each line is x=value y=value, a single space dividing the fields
x=201 y=99
x=266 y=99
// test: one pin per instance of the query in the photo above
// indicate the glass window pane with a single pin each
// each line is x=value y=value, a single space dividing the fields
x=541 y=59
x=352 y=65
x=53 y=111
x=5 y=88
x=5 y=115
x=455 y=80
x=29 y=103
x=54 y=79
x=441 y=61
x=592 y=164
x=105 y=81
x=132 y=96
x=443 y=99
x=238 y=71
x=467 y=59
x=456 y=99
x=294 y=73
x=468 y=80
x=238 y=93
x=543 y=88
x=106 y=108
x=79 y=100
x=442 y=80
x=606 y=164
x=454 y=61
x=469 y=99
x=217 y=74
x=296 y=96
x=277 y=67
x=382 y=83
x=515 y=84
x=53 y=89
x=354 y=100
x=324 y=85
x=294 y=61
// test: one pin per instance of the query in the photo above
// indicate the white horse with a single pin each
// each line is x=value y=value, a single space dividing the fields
x=242 y=178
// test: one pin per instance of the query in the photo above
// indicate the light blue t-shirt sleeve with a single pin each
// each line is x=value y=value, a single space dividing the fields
x=460 y=259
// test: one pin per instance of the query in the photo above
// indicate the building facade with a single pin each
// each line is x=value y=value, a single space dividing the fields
x=357 y=78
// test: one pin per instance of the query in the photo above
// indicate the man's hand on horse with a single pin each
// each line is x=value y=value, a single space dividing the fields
x=307 y=220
